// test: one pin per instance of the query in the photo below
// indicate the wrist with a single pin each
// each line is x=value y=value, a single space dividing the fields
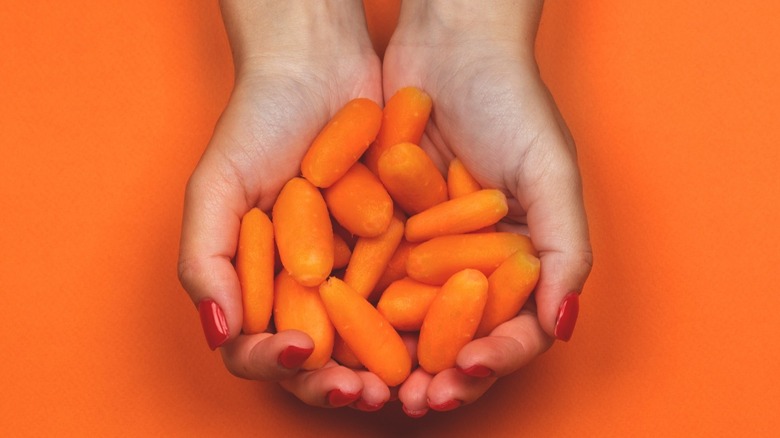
x=259 y=30
x=456 y=22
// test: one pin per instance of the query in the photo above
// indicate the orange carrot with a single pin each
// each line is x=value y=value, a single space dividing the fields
x=370 y=257
x=459 y=180
x=435 y=260
x=411 y=178
x=303 y=231
x=341 y=142
x=367 y=333
x=395 y=270
x=359 y=202
x=405 y=302
x=466 y=213
x=403 y=120
x=299 y=307
x=508 y=289
x=341 y=252
x=452 y=320
x=255 y=269
x=344 y=355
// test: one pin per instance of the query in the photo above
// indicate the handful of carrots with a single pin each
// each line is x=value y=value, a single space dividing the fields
x=372 y=240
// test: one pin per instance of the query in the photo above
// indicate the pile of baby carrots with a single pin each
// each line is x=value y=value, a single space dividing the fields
x=372 y=240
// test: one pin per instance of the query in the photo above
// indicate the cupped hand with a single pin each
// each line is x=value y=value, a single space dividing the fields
x=291 y=78
x=492 y=110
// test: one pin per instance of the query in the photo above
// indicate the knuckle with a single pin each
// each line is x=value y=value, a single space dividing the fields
x=188 y=270
x=240 y=370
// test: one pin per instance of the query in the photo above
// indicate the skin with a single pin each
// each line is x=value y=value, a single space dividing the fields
x=491 y=109
x=287 y=86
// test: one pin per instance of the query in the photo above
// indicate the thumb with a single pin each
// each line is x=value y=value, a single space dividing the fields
x=549 y=188
x=212 y=216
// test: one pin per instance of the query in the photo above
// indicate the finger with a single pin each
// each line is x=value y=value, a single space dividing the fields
x=413 y=393
x=375 y=392
x=548 y=186
x=450 y=389
x=509 y=347
x=331 y=386
x=213 y=207
x=267 y=357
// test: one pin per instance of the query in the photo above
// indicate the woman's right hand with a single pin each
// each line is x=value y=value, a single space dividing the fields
x=296 y=64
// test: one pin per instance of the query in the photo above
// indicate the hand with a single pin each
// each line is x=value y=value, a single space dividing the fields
x=297 y=63
x=492 y=110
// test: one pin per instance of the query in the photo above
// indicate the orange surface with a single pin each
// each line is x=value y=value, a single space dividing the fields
x=105 y=108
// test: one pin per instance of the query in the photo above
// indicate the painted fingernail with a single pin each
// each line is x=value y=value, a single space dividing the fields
x=336 y=398
x=567 y=316
x=293 y=357
x=479 y=371
x=214 y=323
x=368 y=407
x=446 y=406
x=414 y=413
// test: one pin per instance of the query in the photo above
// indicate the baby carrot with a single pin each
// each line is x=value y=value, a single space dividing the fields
x=341 y=142
x=403 y=120
x=395 y=269
x=344 y=355
x=299 y=307
x=367 y=333
x=466 y=213
x=359 y=202
x=405 y=302
x=435 y=260
x=452 y=320
x=255 y=269
x=370 y=257
x=307 y=256
x=341 y=252
x=508 y=289
x=411 y=178
x=459 y=180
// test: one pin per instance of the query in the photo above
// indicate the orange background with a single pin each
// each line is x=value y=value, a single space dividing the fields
x=105 y=108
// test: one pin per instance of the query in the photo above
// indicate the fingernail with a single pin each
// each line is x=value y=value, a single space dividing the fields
x=336 y=398
x=479 y=371
x=214 y=324
x=368 y=407
x=446 y=406
x=414 y=413
x=293 y=357
x=567 y=316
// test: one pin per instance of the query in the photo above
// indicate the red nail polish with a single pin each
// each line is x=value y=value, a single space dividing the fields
x=446 y=406
x=293 y=357
x=214 y=324
x=414 y=414
x=336 y=398
x=368 y=407
x=567 y=316
x=479 y=371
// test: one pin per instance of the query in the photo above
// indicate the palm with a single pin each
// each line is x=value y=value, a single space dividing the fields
x=272 y=118
x=490 y=110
